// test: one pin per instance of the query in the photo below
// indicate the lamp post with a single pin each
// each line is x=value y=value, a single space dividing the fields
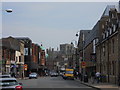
x=8 y=10
x=76 y=63
x=83 y=63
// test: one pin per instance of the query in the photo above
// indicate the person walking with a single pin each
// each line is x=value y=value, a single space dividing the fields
x=75 y=74
x=98 y=77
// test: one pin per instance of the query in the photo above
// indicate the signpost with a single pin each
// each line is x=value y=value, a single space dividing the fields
x=83 y=64
x=25 y=67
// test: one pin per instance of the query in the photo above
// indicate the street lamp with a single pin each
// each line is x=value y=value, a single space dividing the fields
x=77 y=33
x=83 y=54
x=8 y=10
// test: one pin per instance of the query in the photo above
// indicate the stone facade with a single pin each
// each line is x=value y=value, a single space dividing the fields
x=107 y=47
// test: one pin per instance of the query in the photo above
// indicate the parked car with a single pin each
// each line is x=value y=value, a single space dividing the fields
x=10 y=84
x=54 y=74
x=5 y=76
x=33 y=75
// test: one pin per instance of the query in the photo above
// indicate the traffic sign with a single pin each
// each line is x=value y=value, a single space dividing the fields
x=83 y=64
x=25 y=66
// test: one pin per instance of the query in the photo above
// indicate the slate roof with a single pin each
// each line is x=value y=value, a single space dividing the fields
x=92 y=35
x=10 y=43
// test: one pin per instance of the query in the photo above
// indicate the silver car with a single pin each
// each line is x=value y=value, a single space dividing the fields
x=33 y=75
x=10 y=84
x=5 y=76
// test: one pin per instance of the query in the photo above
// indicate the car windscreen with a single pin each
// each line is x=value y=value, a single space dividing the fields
x=33 y=74
x=4 y=76
x=69 y=72
x=8 y=83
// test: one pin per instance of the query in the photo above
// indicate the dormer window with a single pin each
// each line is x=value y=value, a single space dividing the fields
x=114 y=28
x=103 y=35
x=112 y=15
x=107 y=33
x=109 y=20
x=102 y=26
x=110 y=31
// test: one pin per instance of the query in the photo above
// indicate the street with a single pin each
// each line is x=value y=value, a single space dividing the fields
x=52 y=82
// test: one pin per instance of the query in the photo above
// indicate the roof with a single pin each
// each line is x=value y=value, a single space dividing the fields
x=42 y=47
x=107 y=9
x=7 y=79
x=92 y=35
x=10 y=43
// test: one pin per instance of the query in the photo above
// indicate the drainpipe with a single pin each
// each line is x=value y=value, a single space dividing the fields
x=118 y=77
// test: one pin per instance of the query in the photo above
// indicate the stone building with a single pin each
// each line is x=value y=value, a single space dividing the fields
x=107 y=47
x=67 y=51
x=81 y=47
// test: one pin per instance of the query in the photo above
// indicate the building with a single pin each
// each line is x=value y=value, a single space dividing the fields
x=12 y=56
x=27 y=54
x=53 y=60
x=42 y=63
x=20 y=60
x=81 y=48
x=35 y=57
x=107 y=49
x=67 y=51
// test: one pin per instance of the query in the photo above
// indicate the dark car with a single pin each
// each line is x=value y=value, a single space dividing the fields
x=10 y=84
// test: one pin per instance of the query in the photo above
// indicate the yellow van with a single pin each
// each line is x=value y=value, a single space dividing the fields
x=69 y=74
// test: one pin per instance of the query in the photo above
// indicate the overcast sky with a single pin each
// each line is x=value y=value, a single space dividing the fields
x=50 y=23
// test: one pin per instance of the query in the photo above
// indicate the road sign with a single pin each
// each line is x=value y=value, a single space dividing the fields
x=83 y=64
x=25 y=66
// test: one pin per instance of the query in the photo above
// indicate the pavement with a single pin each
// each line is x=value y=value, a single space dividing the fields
x=100 y=86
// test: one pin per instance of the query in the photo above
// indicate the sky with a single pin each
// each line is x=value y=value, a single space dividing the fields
x=50 y=23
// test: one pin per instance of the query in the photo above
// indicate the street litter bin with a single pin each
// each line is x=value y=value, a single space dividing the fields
x=103 y=78
x=85 y=78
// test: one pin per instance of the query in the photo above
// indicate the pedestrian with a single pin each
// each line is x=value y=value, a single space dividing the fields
x=22 y=75
x=75 y=74
x=93 y=77
x=86 y=77
x=13 y=74
x=98 y=77
x=79 y=75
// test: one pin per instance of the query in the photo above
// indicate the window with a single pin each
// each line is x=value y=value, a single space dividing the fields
x=20 y=59
x=110 y=31
x=109 y=20
x=106 y=33
x=103 y=35
x=113 y=45
x=114 y=28
x=112 y=15
x=113 y=65
x=104 y=50
x=102 y=26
